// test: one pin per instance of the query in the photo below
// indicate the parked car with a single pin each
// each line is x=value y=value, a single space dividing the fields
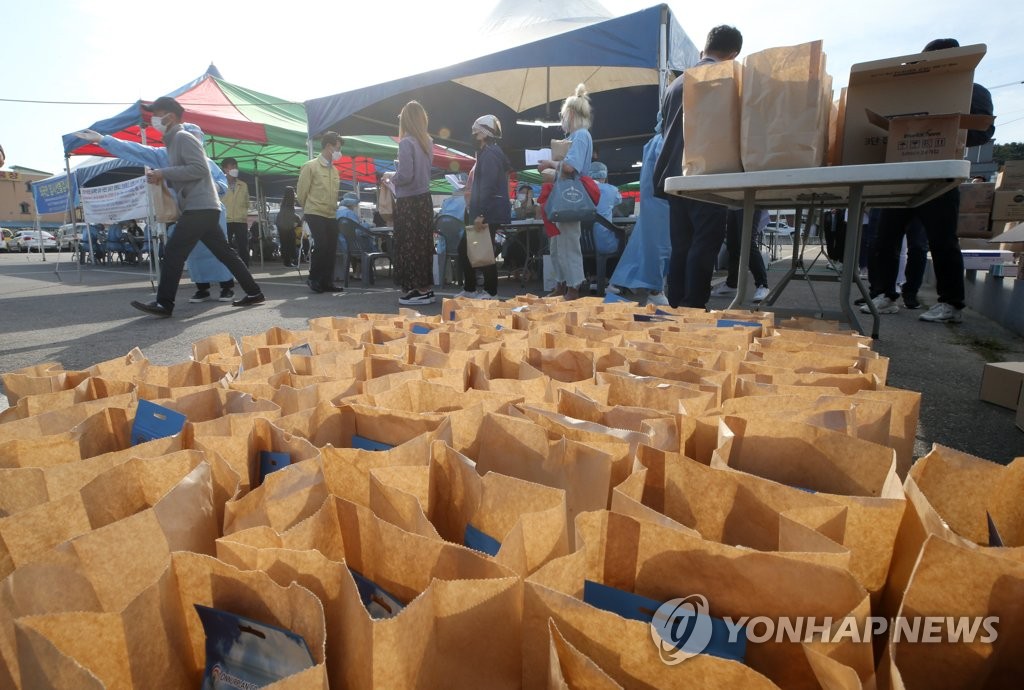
x=69 y=235
x=5 y=238
x=28 y=240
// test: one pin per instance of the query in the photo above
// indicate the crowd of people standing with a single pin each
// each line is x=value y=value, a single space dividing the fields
x=670 y=256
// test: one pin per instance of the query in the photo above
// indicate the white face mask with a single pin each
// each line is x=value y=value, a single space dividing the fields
x=522 y=196
x=233 y=173
x=335 y=156
x=158 y=124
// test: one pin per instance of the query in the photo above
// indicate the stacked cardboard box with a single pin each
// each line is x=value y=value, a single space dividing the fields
x=1008 y=201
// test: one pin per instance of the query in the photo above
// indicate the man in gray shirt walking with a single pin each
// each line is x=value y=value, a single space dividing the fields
x=189 y=176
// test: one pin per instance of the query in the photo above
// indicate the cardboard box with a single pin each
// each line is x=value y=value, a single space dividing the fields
x=1020 y=410
x=1008 y=206
x=1011 y=177
x=977 y=197
x=940 y=81
x=967 y=243
x=1001 y=383
x=939 y=137
x=975 y=225
x=981 y=259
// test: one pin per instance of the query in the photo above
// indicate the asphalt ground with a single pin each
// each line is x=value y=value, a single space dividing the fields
x=78 y=316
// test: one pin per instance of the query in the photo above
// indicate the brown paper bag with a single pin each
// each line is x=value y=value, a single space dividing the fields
x=214 y=403
x=292 y=400
x=160 y=629
x=48 y=377
x=24 y=487
x=949 y=582
x=292 y=494
x=460 y=624
x=846 y=470
x=222 y=345
x=952 y=496
x=240 y=448
x=662 y=563
x=524 y=450
x=449 y=500
x=274 y=336
x=163 y=204
x=711 y=128
x=99 y=432
x=570 y=669
x=326 y=424
x=89 y=390
x=660 y=427
x=655 y=393
x=178 y=482
x=734 y=508
x=787 y=97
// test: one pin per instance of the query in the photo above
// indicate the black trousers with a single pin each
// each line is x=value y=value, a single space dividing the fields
x=697 y=230
x=192 y=228
x=325 y=246
x=238 y=237
x=733 y=236
x=287 y=239
x=469 y=273
x=938 y=217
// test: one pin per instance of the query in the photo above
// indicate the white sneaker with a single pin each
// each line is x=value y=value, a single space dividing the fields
x=484 y=295
x=657 y=298
x=759 y=294
x=614 y=289
x=943 y=313
x=466 y=295
x=723 y=290
x=883 y=304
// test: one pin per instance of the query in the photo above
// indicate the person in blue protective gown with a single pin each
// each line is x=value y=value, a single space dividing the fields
x=644 y=262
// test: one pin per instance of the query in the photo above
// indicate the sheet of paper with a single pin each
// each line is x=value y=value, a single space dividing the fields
x=534 y=156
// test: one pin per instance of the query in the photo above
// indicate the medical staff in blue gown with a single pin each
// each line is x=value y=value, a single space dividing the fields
x=644 y=261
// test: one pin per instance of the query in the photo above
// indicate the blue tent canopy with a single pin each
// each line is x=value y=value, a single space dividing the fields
x=623 y=61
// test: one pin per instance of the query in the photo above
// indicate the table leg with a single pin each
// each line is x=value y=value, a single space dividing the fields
x=851 y=272
x=745 y=240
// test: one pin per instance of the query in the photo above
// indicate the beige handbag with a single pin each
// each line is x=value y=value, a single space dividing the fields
x=479 y=247
x=163 y=203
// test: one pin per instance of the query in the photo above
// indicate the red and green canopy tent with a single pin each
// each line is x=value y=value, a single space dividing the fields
x=266 y=134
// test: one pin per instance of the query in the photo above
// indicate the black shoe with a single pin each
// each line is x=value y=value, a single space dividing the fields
x=249 y=300
x=226 y=295
x=200 y=296
x=910 y=302
x=154 y=308
x=334 y=288
x=314 y=287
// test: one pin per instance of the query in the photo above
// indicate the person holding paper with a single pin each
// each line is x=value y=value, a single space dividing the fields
x=189 y=175
x=939 y=217
x=696 y=228
x=566 y=253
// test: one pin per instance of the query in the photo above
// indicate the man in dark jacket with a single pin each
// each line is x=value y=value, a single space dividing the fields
x=189 y=175
x=939 y=217
x=697 y=228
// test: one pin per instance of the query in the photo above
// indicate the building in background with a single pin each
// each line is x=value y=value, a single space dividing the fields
x=17 y=207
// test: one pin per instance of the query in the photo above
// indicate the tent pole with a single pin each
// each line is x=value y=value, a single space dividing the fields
x=153 y=266
x=662 y=55
x=69 y=212
x=259 y=209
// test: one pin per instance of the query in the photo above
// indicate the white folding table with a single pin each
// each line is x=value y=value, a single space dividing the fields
x=877 y=185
